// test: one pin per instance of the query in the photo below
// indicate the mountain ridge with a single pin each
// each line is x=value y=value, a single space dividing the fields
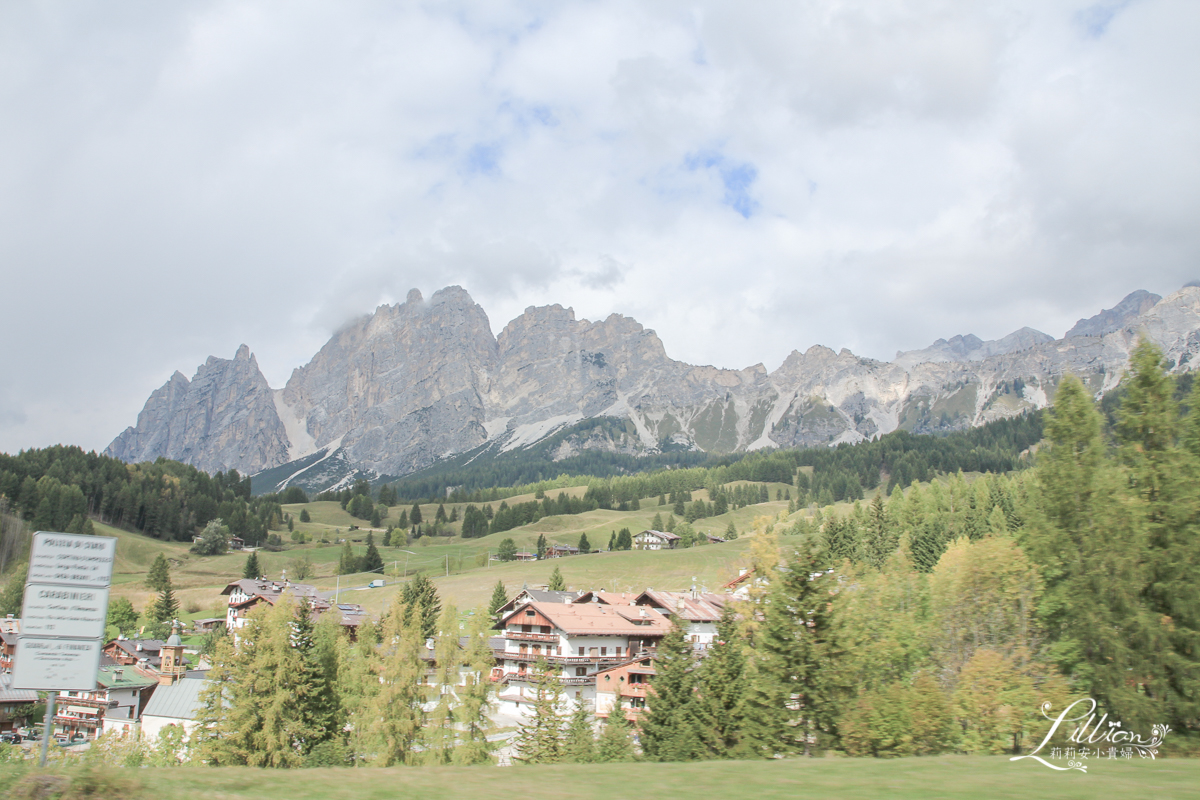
x=394 y=391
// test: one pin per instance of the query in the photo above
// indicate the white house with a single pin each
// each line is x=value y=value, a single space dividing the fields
x=575 y=640
x=655 y=540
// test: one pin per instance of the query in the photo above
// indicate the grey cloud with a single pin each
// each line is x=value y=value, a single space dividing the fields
x=175 y=180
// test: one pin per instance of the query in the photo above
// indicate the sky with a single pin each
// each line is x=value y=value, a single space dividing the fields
x=746 y=179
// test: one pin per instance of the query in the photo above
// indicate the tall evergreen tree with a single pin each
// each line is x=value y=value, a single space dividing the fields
x=162 y=612
x=475 y=701
x=579 y=741
x=670 y=731
x=421 y=602
x=393 y=717
x=1090 y=547
x=159 y=575
x=414 y=516
x=1162 y=477
x=782 y=696
x=615 y=743
x=347 y=563
x=721 y=684
x=540 y=739
x=372 y=561
x=252 y=570
x=557 y=584
x=584 y=546
x=541 y=546
x=499 y=599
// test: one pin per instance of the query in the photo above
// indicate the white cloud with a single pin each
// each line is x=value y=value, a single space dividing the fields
x=744 y=178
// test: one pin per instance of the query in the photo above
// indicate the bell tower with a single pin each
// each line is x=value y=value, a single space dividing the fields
x=172 y=667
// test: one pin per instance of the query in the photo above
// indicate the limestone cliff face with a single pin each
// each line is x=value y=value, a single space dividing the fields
x=224 y=418
x=395 y=391
x=402 y=387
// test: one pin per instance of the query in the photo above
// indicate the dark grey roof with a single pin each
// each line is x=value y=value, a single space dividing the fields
x=11 y=695
x=180 y=700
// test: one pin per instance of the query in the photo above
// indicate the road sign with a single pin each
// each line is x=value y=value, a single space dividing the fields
x=70 y=559
x=46 y=662
x=64 y=611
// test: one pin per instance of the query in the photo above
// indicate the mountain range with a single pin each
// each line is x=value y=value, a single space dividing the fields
x=397 y=390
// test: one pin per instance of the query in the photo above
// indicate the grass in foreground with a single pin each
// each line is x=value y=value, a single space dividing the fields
x=845 y=779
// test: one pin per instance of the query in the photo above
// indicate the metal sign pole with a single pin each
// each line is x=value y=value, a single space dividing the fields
x=47 y=725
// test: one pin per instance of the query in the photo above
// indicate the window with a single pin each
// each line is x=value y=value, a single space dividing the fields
x=559 y=651
x=526 y=628
x=603 y=651
x=529 y=612
x=581 y=651
x=580 y=672
x=545 y=629
x=617 y=651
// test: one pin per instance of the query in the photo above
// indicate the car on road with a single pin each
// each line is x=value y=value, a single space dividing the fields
x=12 y=737
x=375 y=584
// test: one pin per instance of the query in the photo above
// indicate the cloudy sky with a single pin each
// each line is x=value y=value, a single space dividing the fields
x=744 y=178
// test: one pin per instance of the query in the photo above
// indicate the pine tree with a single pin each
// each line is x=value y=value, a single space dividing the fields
x=393 y=717
x=1162 y=477
x=414 y=516
x=162 y=612
x=268 y=691
x=305 y=516
x=372 y=561
x=499 y=599
x=615 y=744
x=420 y=599
x=347 y=563
x=541 y=546
x=656 y=524
x=1091 y=550
x=584 y=546
x=557 y=584
x=540 y=739
x=475 y=702
x=782 y=695
x=315 y=717
x=252 y=571
x=720 y=682
x=670 y=731
x=579 y=746
x=437 y=736
x=159 y=575
x=731 y=531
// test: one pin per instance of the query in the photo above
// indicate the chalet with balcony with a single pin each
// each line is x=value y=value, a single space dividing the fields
x=560 y=550
x=655 y=540
x=576 y=640
x=622 y=689
x=116 y=703
x=696 y=613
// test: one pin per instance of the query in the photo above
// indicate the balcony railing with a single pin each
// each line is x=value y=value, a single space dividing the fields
x=570 y=680
x=555 y=659
x=526 y=636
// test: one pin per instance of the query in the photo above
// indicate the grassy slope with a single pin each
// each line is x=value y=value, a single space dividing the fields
x=198 y=580
x=845 y=779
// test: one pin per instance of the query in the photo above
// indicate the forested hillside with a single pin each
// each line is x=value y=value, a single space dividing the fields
x=838 y=473
x=57 y=488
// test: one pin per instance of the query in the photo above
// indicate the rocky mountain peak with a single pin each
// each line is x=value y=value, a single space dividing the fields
x=1110 y=319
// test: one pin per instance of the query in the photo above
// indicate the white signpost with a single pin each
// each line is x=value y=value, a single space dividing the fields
x=63 y=616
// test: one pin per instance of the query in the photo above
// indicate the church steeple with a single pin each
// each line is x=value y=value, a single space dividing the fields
x=172 y=667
